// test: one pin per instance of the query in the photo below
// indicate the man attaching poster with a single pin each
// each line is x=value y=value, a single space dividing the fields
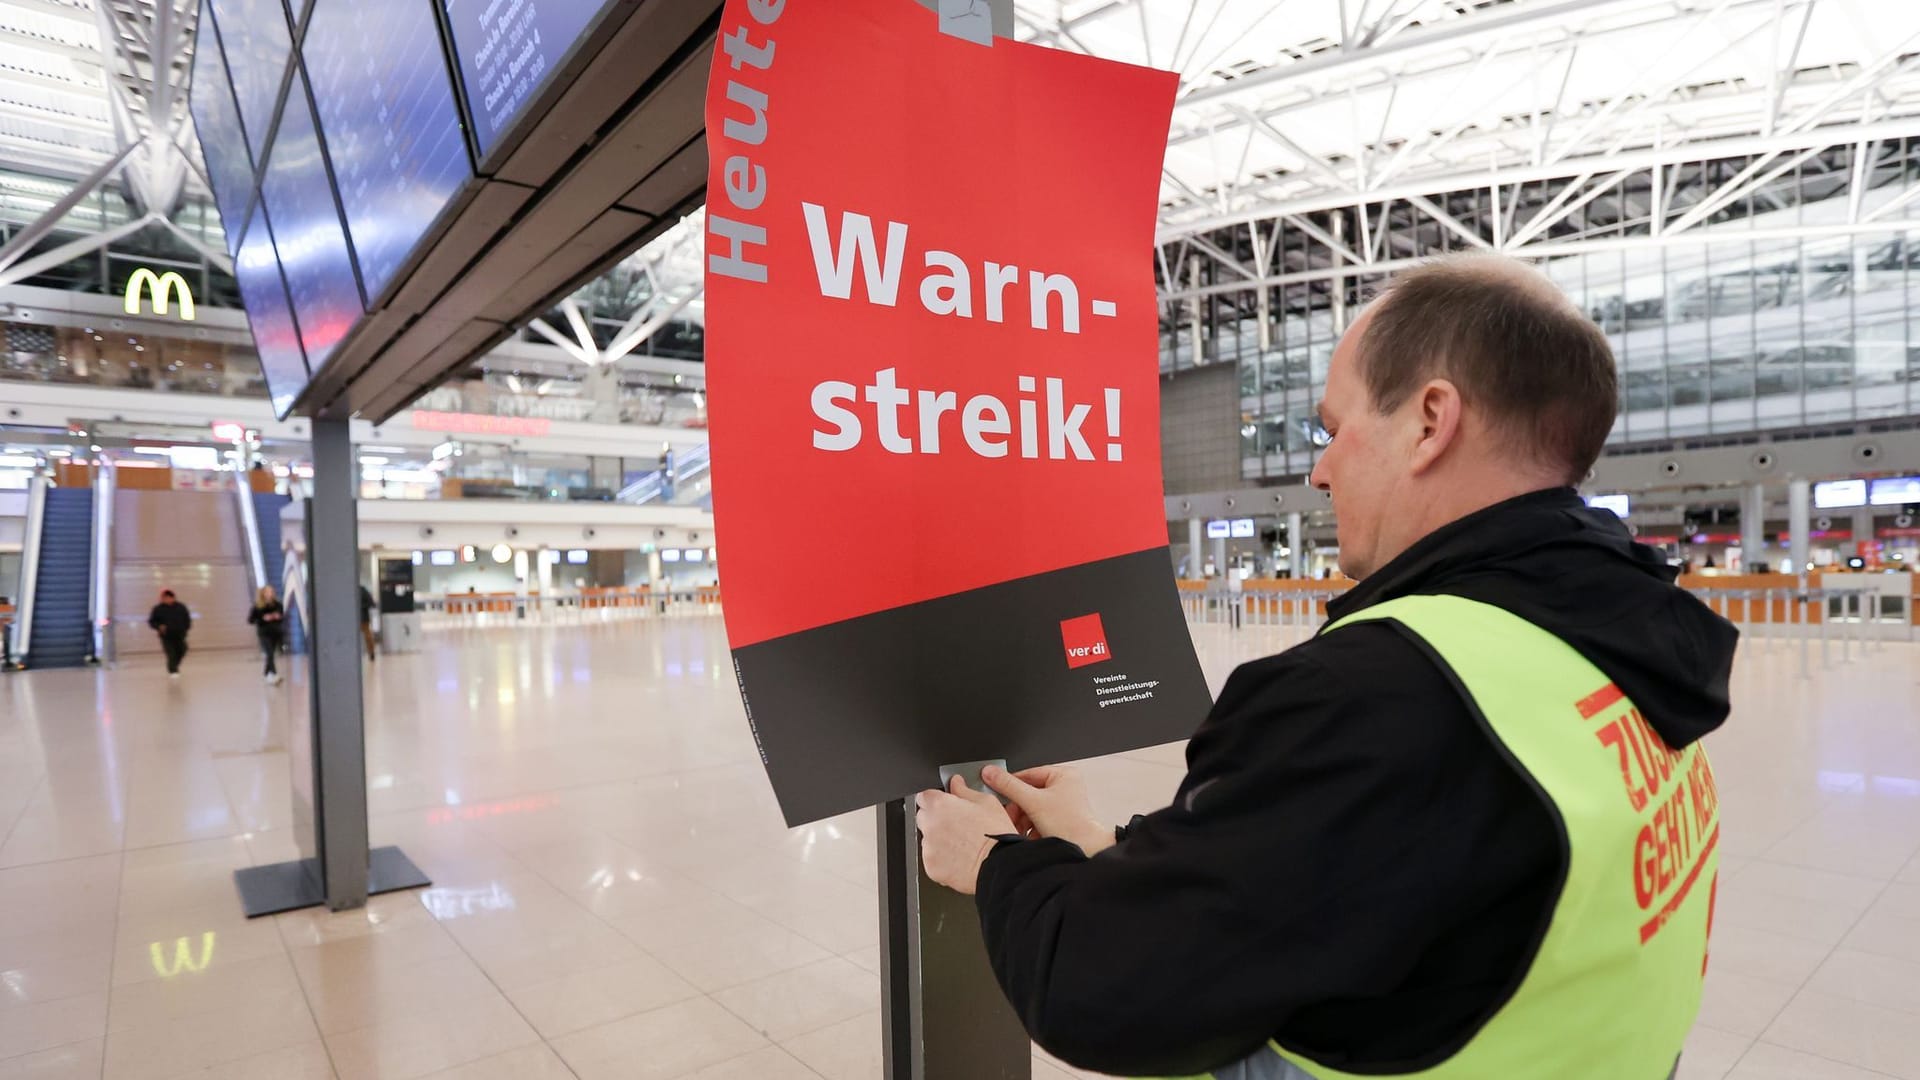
x=933 y=377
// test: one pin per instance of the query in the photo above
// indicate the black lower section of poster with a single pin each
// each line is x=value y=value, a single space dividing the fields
x=862 y=711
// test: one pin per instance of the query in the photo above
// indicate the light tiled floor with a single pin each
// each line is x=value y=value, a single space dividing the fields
x=615 y=895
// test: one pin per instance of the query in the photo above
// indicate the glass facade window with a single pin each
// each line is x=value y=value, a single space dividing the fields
x=1782 y=313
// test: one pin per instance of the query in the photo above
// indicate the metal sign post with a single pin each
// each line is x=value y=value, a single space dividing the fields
x=337 y=869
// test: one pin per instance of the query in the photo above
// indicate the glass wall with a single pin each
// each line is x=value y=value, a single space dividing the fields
x=1789 y=305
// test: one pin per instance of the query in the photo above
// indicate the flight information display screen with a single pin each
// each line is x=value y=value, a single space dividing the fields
x=508 y=49
x=391 y=125
x=257 y=44
x=222 y=145
x=257 y=271
x=307 y=232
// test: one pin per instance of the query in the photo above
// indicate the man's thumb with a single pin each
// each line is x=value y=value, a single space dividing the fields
x=1005 y=783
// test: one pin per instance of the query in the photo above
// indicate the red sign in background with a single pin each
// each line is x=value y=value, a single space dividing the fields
x=1009 y=156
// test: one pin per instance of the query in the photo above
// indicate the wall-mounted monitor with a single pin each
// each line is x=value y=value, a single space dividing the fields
x=577 y=556
x=1617 y=504
x=507 y=50
x=1894 y=491
x=669 y=554
x=696 y=555
x=1219 y=530
x=1241 y=528
x=444 y=558
x=1840 y=494
x=391 y=126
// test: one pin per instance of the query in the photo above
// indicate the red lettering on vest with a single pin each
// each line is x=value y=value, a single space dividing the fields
x=1599 y=701
x=1612 y=735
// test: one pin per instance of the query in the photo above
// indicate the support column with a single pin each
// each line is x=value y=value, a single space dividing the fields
x=603 y=387
x=1220 y=555
x=1862 y=527
x=1296 y=545
x=340 y=750
x=1195 y=558
x=1798 y=503
x=1753 y=521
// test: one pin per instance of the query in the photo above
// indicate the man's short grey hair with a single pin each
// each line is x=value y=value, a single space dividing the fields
x=1511 y=342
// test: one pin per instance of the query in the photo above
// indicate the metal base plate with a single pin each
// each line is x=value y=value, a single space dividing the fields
x=289 y=886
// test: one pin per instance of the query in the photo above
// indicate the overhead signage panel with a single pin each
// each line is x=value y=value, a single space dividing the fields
x=507 y=51
x=256 y=42
x=392 y=129
x=216 y=122
x=307 y=232
x=1840 y=494
x=979 y=220
x=256 y=269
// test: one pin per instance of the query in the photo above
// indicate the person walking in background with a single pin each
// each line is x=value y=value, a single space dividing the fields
x=366 y=621
x=269 y=621
x=171 y=620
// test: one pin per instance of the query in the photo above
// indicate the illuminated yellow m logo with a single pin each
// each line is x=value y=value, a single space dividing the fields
x=159 y=288
x=183 y=958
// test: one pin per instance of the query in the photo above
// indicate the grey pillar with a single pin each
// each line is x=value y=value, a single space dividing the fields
x=1862 y=526
x=1194 y=557
x=1220 y=555
x=1297 y=545
x=603 y=387
x=1798 y=503
x=1753 y=521
x=333 y=561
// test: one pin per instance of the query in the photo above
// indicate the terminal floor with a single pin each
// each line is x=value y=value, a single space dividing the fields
x=615 y=896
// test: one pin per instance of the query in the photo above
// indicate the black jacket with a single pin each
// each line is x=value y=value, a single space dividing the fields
x=172 y=620
x=1348 y=866
x=271 y=629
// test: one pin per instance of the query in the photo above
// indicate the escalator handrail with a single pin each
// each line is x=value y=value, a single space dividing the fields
x=30 y=567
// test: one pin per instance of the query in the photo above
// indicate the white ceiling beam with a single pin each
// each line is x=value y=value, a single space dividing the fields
x=1444 y=36
x=45 y=261
x=1467 y=180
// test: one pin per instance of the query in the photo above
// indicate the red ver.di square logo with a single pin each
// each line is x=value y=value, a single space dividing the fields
x=1085 y=639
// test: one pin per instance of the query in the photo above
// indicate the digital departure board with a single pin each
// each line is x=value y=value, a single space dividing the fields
x=257 y=270
x=390 y=123
x=507 y=50
x=307 y=232
x=257 y=42
x=222 y=144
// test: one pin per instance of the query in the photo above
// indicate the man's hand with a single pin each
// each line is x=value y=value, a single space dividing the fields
x=957 y=827
x=1051 y=801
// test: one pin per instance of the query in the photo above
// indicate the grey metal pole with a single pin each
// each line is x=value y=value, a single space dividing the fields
x=1798 y=500
x=340 y=765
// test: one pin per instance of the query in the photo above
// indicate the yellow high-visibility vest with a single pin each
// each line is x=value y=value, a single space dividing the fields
x=1615 y=983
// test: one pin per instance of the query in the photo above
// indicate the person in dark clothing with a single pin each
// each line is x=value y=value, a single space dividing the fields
x=1354 y=874
x=366 y=621
x=269 y=621
x=171 y=620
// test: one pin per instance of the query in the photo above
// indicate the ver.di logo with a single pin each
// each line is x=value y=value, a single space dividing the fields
x=1085 y=640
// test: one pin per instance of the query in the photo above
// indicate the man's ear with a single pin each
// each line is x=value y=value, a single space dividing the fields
x=1438 y=408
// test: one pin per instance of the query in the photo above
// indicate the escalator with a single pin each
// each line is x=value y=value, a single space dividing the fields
x=61 y=635
x=686 y=481
x=273 y=557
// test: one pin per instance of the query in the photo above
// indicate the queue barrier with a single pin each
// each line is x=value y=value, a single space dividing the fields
x=1847 y=614
x=594 y=605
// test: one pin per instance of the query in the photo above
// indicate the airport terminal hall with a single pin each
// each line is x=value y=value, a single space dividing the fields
x=959 y=539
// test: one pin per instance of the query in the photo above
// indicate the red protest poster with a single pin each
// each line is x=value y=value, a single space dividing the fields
x=933 y=400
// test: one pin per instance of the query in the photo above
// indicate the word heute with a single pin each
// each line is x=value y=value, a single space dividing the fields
x=746 y=181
